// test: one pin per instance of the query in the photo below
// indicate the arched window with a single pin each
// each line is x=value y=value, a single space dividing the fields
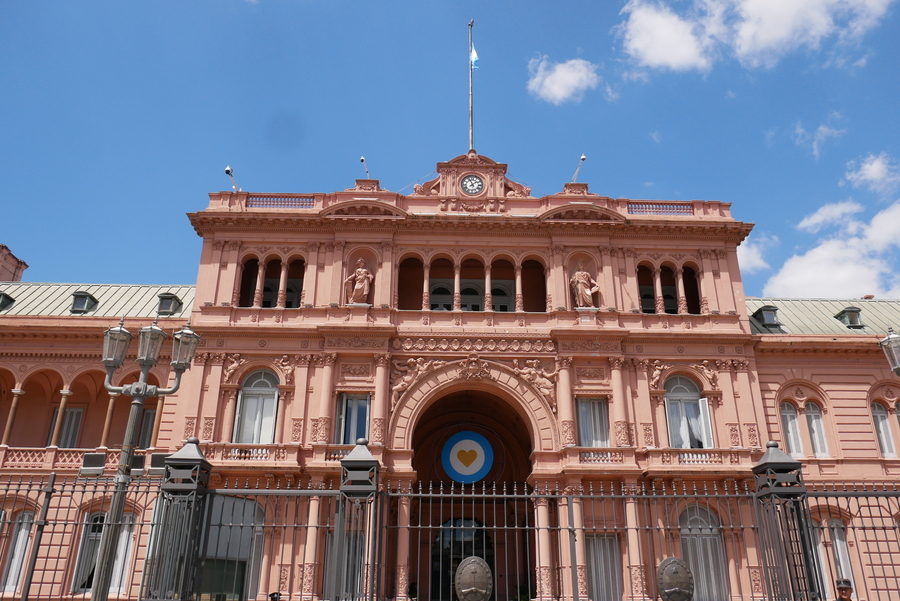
x=18 y=545
x=646 y=290
x=534 y=287
x=85 y=569
x=410 y=276
x=441 y=298
x=703 y=551
x=834 y=553
x=883 y=430
x=816 y=430
x=669 y=290
x=248 y=283
x=792 y=441
x=688 y=415
x=234 y=549
x=257 y=403
x=691 y=290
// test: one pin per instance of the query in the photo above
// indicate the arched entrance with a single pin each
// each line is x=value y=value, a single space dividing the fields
x=490 y=516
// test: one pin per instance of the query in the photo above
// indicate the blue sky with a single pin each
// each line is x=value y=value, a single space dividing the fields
x=117 y=118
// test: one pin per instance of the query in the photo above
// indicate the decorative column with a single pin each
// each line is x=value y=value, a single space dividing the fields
x=488 y=296
x=260 y=282
x=708 y=297
x=403 y=546
x=327 y=383
x=726 y=298
x=580 y=553
x=308 y=578
x=157 y=420
x=554 y=286
x=544 y=576
x=17 y=394
x=379 y=403
x=384 y=283
x=236 y=293
x=679 y=287
x=635 y=576
x=298 y=412
x=310 y=274
x=628 y=282
x=606 y=269
x=564 y=400
x=229 y=406
x=282 y=284
x=619 y=414
x=457 y=297
x=60 y=417
x=520 y=300
x=110 y=408
x=426 y=291
x=657 y=291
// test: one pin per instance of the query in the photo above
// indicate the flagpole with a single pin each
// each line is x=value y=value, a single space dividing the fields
x=471 y=120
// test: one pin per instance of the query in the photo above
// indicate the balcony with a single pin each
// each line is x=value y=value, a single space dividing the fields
x=52 y=458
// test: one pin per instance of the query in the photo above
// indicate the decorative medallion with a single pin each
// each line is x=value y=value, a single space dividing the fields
x=467 y=457
x=675 y=581
x=473 y=581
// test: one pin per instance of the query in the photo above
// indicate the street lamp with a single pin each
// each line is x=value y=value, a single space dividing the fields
x=115 y=346
x=891 y=346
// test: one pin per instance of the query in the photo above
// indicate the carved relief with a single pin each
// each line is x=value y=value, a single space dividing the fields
x=705 y=367
x=622 y=434
x=734 y=434
x=209 y=424
x=232 y=363
x=474 y=368
x=648 y=435
x=324 y=429
x=656 y=372
x=637 y=581
x=355 y=342
x=590 y=373
x=752 y=435
x=590 y=345
x=297 y=429
x=378 y=429
x=477 y=344
x=406 y=373
x=568 y=433
x=540 y=378
x=355 y=370
x=190 y=423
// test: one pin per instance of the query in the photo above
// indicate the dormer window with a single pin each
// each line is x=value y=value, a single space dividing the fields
x=850 y=317
x=5 y=300
x=767 y=316
x=169 y=304
x=82 y=302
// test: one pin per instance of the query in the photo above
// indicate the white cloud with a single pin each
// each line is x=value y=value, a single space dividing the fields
x=730 y=94
x=759 y=33
x=656 y=136
x=860 y=258
x=750 y=252
x=830 y=214
x=817 y=139
x=656 y=37
x=876 y=173
x=560 y=82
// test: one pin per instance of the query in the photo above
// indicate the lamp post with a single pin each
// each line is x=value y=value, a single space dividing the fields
x=891 y=346
x=115 y=345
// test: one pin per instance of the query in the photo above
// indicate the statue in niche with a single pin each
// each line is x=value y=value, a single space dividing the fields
x=583 y=287
x=657 y=369
x=357 y=284
x=537 y=375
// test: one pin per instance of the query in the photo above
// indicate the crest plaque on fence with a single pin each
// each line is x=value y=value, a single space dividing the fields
x=473 y=581
x=674 y=579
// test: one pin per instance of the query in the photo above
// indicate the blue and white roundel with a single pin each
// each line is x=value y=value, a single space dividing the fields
x=467 y=457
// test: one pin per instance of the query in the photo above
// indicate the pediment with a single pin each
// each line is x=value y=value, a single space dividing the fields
x=581 y=212
x=367 y=209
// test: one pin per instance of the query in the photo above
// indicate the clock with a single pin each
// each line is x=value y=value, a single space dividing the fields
x=472 y=184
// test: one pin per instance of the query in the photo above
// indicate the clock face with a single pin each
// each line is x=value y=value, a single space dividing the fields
x=472 y=184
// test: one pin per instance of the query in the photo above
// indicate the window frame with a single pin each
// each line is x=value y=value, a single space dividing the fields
x=350 y=402
x=249 y=398
x=882 y=420
x=68 y=435
x=679 y=418
x=815 y=424
x=19 y=539
x=793 y=442
x=91 y=534
x=593 y=415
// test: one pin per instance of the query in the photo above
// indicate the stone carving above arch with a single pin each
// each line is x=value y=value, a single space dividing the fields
x=361 y=208
x=802 y=392
x=581 y=212
x=886 y=391
x=472 y=372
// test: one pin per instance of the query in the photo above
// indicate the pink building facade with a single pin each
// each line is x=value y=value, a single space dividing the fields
x=594 y=358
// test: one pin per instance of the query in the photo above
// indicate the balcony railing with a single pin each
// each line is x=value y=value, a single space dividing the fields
x=278 y=201
x=661 y=208
x=52 y=458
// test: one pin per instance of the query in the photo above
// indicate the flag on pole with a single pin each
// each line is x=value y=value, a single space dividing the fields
x=473 y=58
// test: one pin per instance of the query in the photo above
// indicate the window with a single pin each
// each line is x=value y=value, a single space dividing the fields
x=90 y=547
x=604 y=567
x=840 y=553
x=441 y=299
x=850 y=317
x=792 y=442
x=256 y=407
x=83 y=302
x=234 y=549
x=767 y=316
x=5 y=300
x=353 y=422
x=816 y=430
x=68 y=436
x=145 y=434
x=703 y=551
x=500 y=300
x=688 y=415
x=883 y=430
x=20 y=529
x=169 y=304
x=593 y=423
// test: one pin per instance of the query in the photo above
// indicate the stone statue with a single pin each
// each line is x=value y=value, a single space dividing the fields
x=583 y=287
x=233 y=362
x=357 y=284
x=711 y=374
x=658 y=368
x=407 y=372
x=537 y=375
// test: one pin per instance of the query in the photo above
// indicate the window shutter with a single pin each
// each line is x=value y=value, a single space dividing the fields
x=677 y=425
x=268 y=409
x=706 y=424
x=238 y=417
x=71 y=424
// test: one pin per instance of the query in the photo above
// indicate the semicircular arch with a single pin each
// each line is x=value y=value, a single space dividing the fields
x=477 y=374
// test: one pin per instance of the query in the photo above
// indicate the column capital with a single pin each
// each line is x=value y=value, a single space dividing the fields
x=65 y=393
x=564 y=361
x=17 y=391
